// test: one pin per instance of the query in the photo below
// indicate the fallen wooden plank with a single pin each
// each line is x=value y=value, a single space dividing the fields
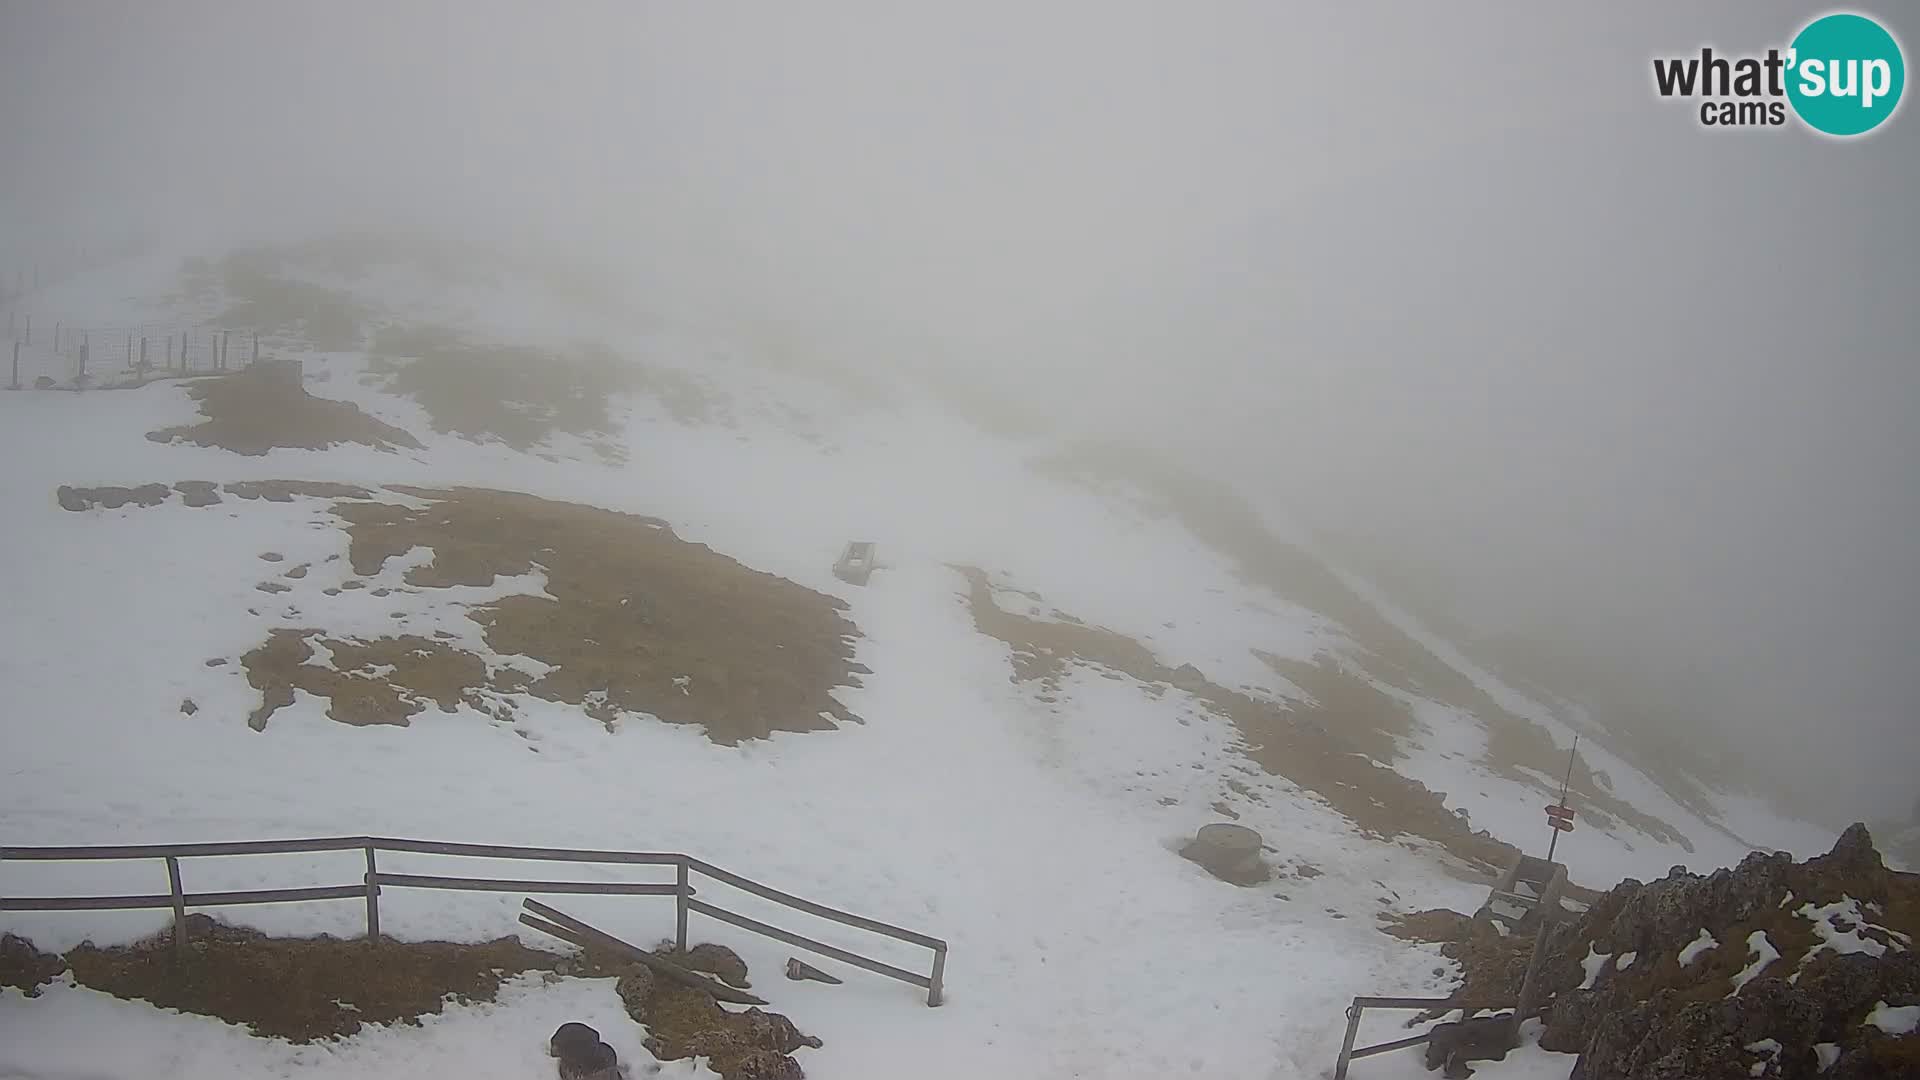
x=591 y=937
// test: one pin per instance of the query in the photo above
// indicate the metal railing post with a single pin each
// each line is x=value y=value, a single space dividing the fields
x=1346 y=1047
x=680 y=907
x=936 y=991
x=179 y=907
x=373 y=899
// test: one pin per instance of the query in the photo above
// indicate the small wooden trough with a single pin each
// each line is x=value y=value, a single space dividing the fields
x=856 y=563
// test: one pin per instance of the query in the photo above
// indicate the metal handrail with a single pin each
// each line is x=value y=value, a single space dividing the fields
x=371 y=882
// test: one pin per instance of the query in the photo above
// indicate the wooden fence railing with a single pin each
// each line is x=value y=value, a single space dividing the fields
x=681 y=889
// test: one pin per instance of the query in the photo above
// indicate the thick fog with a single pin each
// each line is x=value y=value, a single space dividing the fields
x=1447 y=282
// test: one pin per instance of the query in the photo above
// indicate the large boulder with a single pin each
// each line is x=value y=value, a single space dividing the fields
x=1230 y=853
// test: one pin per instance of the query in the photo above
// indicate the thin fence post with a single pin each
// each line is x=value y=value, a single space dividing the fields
x=936 y=989
x=373 y=899
x=56 y=337
x=680 y=908
x=179 y=907
x=129 y=348
x=169 y=352
x=1346 y=1048
x=256 y=349
x=143 y=354
x=223 y=349
x=86 y=349
x=16 y=366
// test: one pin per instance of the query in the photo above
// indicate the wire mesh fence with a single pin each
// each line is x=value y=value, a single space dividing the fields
x=80 y=357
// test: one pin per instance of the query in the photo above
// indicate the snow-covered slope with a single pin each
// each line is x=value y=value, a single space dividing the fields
x=1031 y=823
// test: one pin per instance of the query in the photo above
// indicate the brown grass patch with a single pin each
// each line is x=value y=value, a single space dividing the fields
x=643 y=620
x=303 y=989
x=1348 y=703
x=1285 y=741
x=251 y=412
x=260 y=296
x=423 y=672
x=635 y=620
x=521 y=395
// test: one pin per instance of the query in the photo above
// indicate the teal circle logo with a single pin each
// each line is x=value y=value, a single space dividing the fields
x=1845 y=74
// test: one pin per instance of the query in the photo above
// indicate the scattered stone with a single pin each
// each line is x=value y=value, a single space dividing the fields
x=188 y=707
x=798 y=969
x=1479 y=1038
x=352 y=583
x=273 y=587
x=297 y=572
x=572 y=1038
x=218 y=661
x=271 y=556
x=720 y=961
x=330 y=591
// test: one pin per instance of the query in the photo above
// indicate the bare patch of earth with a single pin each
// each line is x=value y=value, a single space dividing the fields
x=1294 y=742
x=255 y=410
x=522 y=395
x=635 y=620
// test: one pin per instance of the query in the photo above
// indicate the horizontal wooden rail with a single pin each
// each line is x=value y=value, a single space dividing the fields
x=374 y=879
x=161 y=851
x=1349 y=1053
x=812 y=908
x=822 y=948
x=612 y=888
x=499 y=851
x=165 y=900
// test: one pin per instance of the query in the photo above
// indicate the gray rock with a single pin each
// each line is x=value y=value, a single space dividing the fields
x=798 y=969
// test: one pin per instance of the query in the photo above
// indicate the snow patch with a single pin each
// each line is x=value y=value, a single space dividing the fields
x=1895 y=1020
x=1763 y=954
x=1594 y=963
x=1697 y=946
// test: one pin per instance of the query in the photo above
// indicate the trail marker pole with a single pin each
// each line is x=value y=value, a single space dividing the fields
x=1562 y=822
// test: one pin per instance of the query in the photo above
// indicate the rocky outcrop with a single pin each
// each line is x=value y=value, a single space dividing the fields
x=1769 y=969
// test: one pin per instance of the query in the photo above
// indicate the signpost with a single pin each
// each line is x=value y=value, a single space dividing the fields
x=1560 y=815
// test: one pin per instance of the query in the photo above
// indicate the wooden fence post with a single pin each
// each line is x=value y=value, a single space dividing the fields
x=179 y=907
x=169 y=352
x=936 y=991
x=86 y=349
x=16 y=365
x=129 y=348
x=223 y=349
x=143 y=354
x=1346 y=1048
x=373 y=899
x=680 y=908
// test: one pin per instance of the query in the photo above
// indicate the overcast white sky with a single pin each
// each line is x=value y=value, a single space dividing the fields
x=1446 y=278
